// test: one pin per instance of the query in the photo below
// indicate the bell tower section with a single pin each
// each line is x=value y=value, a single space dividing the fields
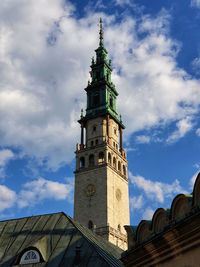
x=101 y=199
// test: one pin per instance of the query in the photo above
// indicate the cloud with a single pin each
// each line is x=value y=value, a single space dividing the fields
x=183 y=127
x=193 y=179
x=148 y=213
x=155 y=190
x=143 y=139
x=123 y=3
x=45 y=55
x=35 y=191
x=136 y=202
x=197 y=165
x=5 y=156
x=198 y=132
x=195 y=3
x=7 y=198
x=196 y=65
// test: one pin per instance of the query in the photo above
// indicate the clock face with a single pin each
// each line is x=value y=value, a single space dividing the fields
x=118 y=194
x=90 y=190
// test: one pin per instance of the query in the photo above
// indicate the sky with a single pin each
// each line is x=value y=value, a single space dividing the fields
x=46 y=48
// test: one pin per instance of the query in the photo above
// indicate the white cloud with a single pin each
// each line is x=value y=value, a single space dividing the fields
x=183 y=127
x=198 y=132
x=124 y=2
x=136 y=202
x=197 y=165
x=155 y=190
x=35 y=191
x=7 y=197
x=143 y=139
x=148 y=213
x=196 y=65
x=192 y=180
x=195 y=3
x=45 y=56
x=5 y=156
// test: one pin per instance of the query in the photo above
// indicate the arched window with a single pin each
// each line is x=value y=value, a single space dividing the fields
x=91 y=160
x=82 y=162
x=90 y=225
x=124 y=170
x=97 y=141
x=119 y=166
x=114 y=162
x=30 y=257
x=109 y=158
x=101 y=157
x=92 y=143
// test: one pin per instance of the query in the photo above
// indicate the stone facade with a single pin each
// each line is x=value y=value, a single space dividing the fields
x=101 y=184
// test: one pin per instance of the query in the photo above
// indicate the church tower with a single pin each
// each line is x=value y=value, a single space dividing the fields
x=101 y=200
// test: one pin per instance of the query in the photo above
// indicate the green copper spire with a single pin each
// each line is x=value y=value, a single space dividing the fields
x=101 y=92
x=100 y=32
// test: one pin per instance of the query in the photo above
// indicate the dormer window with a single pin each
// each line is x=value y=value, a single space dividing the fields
x=30 y=257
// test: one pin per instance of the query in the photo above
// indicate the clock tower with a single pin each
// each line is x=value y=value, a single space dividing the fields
x=101 y=200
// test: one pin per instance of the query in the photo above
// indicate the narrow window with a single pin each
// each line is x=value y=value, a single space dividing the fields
x=91 y=160
x=111 y=102
x=92 y=143
x=109 y=158
x=90 y=225
x=96 y=100
x=97 y=141
x=124 y=170
x=114 y=162
x=119 y=166
x=82 y=162
x=101 y=157
x=94 y=129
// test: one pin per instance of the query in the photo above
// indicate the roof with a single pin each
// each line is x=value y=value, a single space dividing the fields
x=59 y=240
x=183 y=207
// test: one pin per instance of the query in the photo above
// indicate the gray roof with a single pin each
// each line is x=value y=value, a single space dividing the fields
x=58 y=238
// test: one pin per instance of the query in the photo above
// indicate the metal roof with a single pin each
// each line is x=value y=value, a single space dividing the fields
x=60 y=241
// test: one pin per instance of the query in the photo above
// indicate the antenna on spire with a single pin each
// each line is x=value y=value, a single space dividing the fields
x=100 y=32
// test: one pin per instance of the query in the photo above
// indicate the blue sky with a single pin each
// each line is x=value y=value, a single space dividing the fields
x=45 y=53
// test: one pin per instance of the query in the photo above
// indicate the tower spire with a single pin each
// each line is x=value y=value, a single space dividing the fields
x=100 y=32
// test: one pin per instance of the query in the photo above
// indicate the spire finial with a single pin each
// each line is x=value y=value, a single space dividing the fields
x=100 y=32
x=81 y=113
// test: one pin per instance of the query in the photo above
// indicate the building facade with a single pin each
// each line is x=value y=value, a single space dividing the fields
x=101 y=199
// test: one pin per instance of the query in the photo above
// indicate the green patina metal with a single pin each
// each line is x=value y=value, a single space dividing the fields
x=101 y=92
x=59 y=240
